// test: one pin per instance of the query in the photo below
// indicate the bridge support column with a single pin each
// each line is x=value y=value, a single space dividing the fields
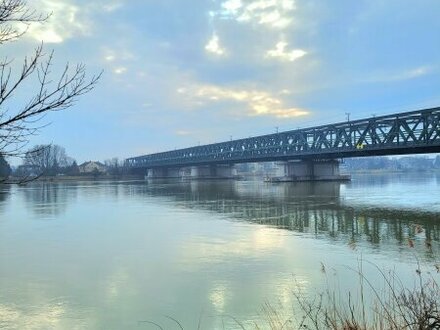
x=155 y=173
x=163 y=173
x=209 y=172
x=309 y=170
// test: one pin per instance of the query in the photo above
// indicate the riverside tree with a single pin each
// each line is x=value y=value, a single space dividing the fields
x=115 y=166
x=47 y=159
x=5 y=169
x=20 y=119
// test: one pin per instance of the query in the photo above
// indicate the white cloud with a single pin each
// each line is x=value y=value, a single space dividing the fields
x=411 y=74
x=65 y=22
x=213 y=46
x=258 y=103
x=266 y=17
x=110 y=7
x=68 y=19
x=111 y=54
x=281 y=53
x=110 y=57
x=271 y=13
x=120 y=70
x=401 y=76
x=119 y=61
x=232 y=6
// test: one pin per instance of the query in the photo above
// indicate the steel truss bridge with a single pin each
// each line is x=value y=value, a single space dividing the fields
x=402 y=133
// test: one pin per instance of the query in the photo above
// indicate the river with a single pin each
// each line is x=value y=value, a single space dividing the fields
x=214 y=254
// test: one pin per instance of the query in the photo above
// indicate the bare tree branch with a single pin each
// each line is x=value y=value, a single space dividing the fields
x=14 y=13
x=19 y=122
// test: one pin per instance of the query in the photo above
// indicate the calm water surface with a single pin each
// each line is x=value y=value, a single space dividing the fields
x=112 y=255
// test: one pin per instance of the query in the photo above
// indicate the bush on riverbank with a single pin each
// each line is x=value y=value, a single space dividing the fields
x=393 y=307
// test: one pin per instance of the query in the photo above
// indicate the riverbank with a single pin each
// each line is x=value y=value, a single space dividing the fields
x=243 y=176
x=72 y=178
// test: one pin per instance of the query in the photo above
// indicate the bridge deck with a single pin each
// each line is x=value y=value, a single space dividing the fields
x=403 y=133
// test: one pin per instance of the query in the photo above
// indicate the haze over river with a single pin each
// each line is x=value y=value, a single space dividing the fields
x=118 y=255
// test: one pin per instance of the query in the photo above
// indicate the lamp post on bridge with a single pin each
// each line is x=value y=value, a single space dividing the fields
x=352 y=136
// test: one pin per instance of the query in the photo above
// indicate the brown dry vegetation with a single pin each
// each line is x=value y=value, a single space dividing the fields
x=393 y=307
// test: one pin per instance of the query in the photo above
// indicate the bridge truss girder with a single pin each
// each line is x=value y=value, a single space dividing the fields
x=403 y=133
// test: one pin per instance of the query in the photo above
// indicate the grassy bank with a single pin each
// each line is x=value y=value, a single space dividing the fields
x=393 y=306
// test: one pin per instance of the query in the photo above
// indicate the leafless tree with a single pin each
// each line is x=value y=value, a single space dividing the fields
x=20 y=120
x=46 y=159
x=114 y=165
x=5 y=169
x=13 y=12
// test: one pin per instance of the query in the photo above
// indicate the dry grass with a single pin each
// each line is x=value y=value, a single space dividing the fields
x=394 y=306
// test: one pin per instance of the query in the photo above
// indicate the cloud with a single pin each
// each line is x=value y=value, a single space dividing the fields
x=120 y=70
x=255 y=24
x=68 y=18
x=258 y=103
x=65 y=22
x=270 y=13
x=213 y=46
x=112 y=6
x=401 y=76
x=280 y=52
x=109 y=57
x=119 y=60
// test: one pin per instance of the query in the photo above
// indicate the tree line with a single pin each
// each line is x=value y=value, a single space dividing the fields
x=405 y=163
x=52 y=160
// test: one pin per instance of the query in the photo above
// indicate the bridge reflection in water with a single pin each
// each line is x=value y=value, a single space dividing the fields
x=314 y=209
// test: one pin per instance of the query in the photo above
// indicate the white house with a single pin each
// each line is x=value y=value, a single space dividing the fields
x=92 y=167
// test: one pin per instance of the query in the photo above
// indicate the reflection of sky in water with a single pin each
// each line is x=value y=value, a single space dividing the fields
x=114 y=255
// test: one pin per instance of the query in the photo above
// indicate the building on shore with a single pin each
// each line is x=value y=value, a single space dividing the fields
x=92 y=167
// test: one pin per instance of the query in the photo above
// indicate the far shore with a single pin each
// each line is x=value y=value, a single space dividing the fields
x=106 y=177
x=70 y=178
x=390 y=171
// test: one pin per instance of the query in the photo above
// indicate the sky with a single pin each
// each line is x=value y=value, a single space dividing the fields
x=182 y=73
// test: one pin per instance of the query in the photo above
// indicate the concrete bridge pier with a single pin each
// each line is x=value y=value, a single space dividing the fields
x=219 y=171
x=163 y=173
x=155 y=173
x=309 y=170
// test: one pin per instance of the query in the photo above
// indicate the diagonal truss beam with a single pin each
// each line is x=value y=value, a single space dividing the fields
x=402 y=133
